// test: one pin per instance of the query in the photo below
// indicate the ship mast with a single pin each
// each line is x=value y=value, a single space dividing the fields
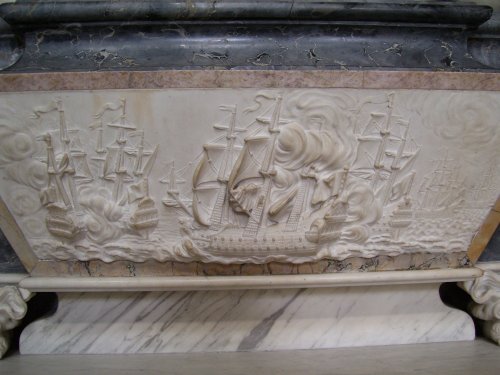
x=442 y=182
x=65 y=141
x=54 y=172
x=486 y=184
x=267 y=171
x=396 y=162
x=173 y=191
x=121 y=140
x=100 y=151
x=293 y=220
x=385 y=133
x=140 y=155
x=221 y=208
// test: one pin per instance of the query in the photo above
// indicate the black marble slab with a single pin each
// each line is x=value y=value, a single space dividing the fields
x=435 y=12
x=238 y=45
x=150 y=35
x=9 y=262
x=492 y=251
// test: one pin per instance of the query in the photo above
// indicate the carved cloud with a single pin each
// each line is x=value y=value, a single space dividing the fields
x=470 y=122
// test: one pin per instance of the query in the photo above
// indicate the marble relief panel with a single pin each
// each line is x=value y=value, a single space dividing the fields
x=248 y=176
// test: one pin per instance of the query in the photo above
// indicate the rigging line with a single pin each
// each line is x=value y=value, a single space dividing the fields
x=212 y=167
x=253 y=160
x=264 y=112
x=181 y=170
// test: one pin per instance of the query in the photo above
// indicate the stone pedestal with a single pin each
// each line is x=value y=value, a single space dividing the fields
x=294 y=182
x=246 y=320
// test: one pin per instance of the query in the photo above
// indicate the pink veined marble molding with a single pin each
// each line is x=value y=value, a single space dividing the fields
x=247 y=78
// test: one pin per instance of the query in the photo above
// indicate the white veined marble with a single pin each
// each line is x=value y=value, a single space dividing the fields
x=246 y=320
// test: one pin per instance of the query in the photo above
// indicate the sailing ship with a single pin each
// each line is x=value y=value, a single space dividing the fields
x=442 y=191
x=173 y=197
x=481 y=194
x=232 y=196
x=401 y=217
x=329 y=228
x=211 y=177
x=145 y=217
x=386 y=154
x=125 y=164
x=66 y=169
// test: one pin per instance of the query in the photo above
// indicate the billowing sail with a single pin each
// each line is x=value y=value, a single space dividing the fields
x=248 y=165
x=205 y=183
x=374 y=126
x=245 y=179
x=111 y=164
x=82 y=169
x=402 y=188
x=365 y=159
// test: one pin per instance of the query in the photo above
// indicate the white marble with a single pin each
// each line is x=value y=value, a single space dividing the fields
x=11 y=278
x=453 y=358
x=485 y=293
x=13 y=308
x=248 y=176
x=246 y=320
x=188 y=283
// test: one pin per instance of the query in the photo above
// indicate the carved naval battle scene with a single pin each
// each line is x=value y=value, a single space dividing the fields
x=248 y=176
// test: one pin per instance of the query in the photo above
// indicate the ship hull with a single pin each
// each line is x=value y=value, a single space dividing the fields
x=234 y=244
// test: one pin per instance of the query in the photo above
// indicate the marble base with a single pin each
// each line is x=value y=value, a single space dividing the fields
x=246 y=320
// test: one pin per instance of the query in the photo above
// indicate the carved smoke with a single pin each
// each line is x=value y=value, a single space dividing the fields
x=471 y=122
x=103 y=216
x=318 y=142
x=24 y=201
x=363 y=209
x=15 y=145
x=28 y=172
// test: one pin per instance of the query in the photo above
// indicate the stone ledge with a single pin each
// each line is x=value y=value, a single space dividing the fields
x=185 y=283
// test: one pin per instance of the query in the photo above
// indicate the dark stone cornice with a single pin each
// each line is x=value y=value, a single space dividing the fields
x=152 y=35
x=50 y=12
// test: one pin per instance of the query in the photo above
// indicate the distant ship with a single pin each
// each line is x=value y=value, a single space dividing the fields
x=385 y=158
x=442 y=190
x=115 y=165
x=386 y=154
x=173 y=196
x=484 y=190
x=66 y=168
x=401 y=217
